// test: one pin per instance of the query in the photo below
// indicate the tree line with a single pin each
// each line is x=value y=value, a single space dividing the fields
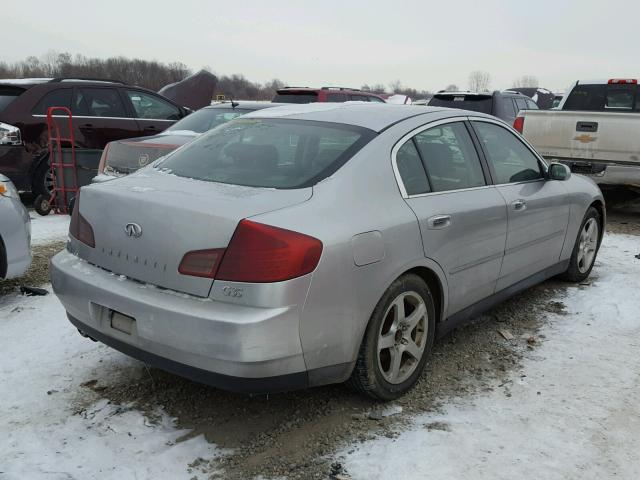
x=154 y=75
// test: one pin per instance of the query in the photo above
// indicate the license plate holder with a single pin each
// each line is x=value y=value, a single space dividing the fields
x=121 y=322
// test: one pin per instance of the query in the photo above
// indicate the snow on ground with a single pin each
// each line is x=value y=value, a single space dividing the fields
x=572 y=412
x=43 y=362
x=51 y=228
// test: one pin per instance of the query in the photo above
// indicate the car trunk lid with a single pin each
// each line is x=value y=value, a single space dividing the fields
x=175 y=215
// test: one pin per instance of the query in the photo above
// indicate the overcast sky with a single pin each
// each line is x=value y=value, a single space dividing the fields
x=425 y=45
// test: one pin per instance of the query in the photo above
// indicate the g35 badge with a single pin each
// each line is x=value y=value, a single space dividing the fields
x=232 y=291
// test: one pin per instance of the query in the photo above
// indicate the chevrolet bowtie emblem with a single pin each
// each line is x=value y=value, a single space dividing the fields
x=585 y=138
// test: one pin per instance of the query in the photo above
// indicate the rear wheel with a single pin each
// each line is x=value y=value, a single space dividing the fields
x=42 y=205
x=585 y=249
x=43 y=179
x=397 y=341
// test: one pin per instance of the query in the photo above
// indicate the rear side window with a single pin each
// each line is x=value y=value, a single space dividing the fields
x=376 y=99
x=475 y=103
x=56 y=98
x=152 y=107
x=511 y=160
x=296 y=97
x=270 y=153
x=8 y=94
x=509 y=109
x=450 y=158
x=521 y=104
x=359 y=98
x=601 y=97
x=531 y=105
x=336 y=97
x=411 y=170
x=98 y=102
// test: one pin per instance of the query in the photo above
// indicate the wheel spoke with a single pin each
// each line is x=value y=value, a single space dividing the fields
x=394 y=368
x=415 y=317
x=387 y=341
x=413 y=349
x=399 y=313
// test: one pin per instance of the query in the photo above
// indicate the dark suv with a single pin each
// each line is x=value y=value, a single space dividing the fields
x=504 y=105
x=102 y=111
x=324 y=94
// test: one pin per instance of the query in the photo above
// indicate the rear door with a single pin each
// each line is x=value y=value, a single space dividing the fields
x=152 y=113
x=100 y=116
x=538 y=209
x=463 y=219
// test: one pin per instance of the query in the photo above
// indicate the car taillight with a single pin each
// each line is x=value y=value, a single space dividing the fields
x=201 y=263
x=103 y=159
x=79 y=227
x=257 y=253
x=623 y=81
x=518 y=124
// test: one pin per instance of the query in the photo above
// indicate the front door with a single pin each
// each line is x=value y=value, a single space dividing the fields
x=538 y=208
x=463 y=219
x=152 y=113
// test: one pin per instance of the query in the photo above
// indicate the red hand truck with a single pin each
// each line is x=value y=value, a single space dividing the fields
x=61 y=160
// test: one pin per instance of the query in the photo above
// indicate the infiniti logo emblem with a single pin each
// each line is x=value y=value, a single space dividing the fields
x=133 y=230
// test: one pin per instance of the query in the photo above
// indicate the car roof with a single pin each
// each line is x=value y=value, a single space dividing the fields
x=374 y=116
x=245 y=105
x=328 y=89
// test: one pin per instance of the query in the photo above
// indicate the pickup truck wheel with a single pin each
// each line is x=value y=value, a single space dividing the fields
x=42 y=205
x=397 y=341
x=585 y=249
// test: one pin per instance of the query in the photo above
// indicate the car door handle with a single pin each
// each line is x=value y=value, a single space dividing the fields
x=519 y=205
x=439 y=221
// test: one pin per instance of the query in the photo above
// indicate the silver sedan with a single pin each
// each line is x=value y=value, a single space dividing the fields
x=15 y=232
x=314 y=244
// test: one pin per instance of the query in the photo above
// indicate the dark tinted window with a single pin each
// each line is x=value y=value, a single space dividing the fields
x=336 y=97
x=98 y=102
x=271 y=153
x=55 y=98
x=475 y=103
x=411 y=170
x=8 y=94
x=512 y=161
x=206 y=118
x=295 y=97
x=376 y=99
x=601 y=97
x=359 y=98
x=450 y=157
x=152 y=107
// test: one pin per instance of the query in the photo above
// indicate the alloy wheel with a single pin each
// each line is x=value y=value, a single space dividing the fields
x=587 y=245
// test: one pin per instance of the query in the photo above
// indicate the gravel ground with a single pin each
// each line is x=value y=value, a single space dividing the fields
x=296 y=434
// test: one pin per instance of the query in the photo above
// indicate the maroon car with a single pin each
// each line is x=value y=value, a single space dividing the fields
x=103 y=111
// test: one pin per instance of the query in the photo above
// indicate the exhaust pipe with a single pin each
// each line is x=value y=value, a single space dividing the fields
x=86 y=336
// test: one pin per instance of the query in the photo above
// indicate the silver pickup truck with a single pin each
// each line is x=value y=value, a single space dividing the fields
x=595 y=131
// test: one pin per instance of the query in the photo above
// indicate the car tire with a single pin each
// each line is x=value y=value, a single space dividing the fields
x=585 y=248
x=42 y=205
x=387 y=366
x=42 y=179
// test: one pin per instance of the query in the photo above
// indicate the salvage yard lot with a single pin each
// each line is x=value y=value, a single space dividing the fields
x=557 y=399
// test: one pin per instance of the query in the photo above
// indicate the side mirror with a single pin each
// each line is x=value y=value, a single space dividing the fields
x=558 y=171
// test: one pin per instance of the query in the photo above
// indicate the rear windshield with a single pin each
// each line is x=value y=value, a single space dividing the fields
x=598 y=98
x=123 y=158
x=295 y=97
x=207 y=118
x=8 y=95
x=475 y=103
x=270 y=153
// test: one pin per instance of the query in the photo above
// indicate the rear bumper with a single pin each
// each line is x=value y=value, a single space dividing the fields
x=607 y=174
x=234 y=347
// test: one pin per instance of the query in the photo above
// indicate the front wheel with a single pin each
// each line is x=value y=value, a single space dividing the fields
x=397 y=341
x=42 y=205
x=585 y=249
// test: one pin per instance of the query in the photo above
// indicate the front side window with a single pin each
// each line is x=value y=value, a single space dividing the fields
x=450 y=157
x=56 y=98
x=98 y=102
x=269 y=152
x=152 y=107
x=411 y=170
x=511 y=160
x=359 y=98
x=376 y=99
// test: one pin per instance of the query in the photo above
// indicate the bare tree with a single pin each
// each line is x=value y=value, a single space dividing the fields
x=479 y=81
x=526 y=81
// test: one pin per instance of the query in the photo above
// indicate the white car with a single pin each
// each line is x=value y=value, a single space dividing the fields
x=15 y=232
